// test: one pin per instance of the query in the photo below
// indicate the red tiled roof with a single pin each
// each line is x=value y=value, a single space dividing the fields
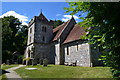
x=75 y=33
x=58 y=30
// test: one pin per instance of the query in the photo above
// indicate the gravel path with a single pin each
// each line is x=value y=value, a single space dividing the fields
x=12 y=74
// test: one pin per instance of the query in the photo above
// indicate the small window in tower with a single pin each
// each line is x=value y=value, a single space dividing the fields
x=30 y=30
x=43 y=38
x=30 y=39
x=45 y=29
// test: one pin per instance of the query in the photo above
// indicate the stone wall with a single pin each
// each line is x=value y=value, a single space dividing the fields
x=42 y=48
x=57 y=53
x=42 y=51
x=39 y=33
x=78 y=52
x=83 y=53
x=31 y=34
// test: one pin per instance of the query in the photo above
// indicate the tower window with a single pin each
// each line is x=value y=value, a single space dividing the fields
x=30 y=30
x=44 y=29
x=30 y=39
x=43 y=38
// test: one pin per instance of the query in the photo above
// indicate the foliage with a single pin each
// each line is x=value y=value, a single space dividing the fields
x=21 y=57
x=14 y=37
x=3 y=77
x=102 y=22
x=57 y=23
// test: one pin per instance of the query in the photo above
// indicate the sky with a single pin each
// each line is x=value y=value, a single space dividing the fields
x=25 y=11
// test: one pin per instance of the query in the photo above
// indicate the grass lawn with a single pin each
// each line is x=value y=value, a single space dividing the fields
x=4 y=67
x=61 y=71
x=7 y=66
x=3 y=77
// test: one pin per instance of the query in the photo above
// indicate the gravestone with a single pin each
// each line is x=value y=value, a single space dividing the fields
x=45 y=62
x=7 y=62
x=41 y=61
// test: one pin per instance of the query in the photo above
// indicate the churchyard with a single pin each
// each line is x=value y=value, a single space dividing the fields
x=62 y=71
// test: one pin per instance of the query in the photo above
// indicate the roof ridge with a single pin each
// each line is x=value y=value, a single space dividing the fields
x=60 y=30
x=72 y=36
x=60 y=26
x=42 y=17
x=64 y=27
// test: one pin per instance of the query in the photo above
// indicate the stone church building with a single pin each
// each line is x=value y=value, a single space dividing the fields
x=59 y=45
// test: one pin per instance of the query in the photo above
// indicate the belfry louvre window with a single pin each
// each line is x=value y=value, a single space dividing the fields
x=43 y=28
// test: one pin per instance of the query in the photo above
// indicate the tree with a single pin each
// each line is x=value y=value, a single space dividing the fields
x=103 y=19
x=14 y=37
x=57 y=23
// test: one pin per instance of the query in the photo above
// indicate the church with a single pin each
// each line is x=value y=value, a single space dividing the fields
x=61 y=45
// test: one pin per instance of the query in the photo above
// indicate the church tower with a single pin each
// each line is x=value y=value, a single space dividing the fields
x=40 y=33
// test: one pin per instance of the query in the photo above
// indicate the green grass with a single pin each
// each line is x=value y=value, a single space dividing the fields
x=7 y=66
x=3 y=77
x=61 y=71
x=4 y=67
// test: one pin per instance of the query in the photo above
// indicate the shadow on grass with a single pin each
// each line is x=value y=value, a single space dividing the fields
x=3 y=72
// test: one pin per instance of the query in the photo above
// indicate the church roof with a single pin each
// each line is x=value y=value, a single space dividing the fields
x=75 y=33
x=58 y=30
